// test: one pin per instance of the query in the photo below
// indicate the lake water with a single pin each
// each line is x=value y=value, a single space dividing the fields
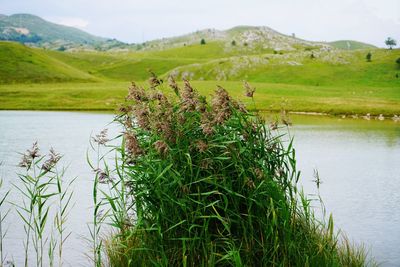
x=358 y=162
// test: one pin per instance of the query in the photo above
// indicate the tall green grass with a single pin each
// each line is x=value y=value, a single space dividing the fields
x=44 y=207
x=210 y=184
x=100 y=214
x=3 y=216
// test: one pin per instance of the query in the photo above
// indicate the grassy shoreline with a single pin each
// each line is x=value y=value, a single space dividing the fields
x=105 y=96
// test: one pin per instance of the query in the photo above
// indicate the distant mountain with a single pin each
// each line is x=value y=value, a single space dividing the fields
x=250 y=37
x=351 y=45
x=33 y=30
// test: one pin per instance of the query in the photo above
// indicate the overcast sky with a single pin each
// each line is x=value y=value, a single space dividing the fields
x=369 y=21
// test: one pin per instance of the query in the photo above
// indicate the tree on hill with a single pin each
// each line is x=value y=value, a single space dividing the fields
x=203 y=42
x=369 y=57
x=390 y=42
x=233 y=43
x=398 y=61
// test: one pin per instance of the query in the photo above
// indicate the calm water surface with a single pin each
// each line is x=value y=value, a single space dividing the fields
x=358 y=163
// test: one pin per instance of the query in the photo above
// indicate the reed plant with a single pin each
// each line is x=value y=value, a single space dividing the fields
x=102 y=177
x=64 y=205
x=3 y=215
x=210 y=184
x=43 y=198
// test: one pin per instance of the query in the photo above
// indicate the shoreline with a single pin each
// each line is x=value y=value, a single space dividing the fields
x=394 y=118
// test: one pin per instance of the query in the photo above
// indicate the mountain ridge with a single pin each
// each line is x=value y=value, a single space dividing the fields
x=36 y=31
x=242 y=35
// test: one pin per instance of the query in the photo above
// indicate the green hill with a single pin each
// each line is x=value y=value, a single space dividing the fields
x=21 y=64
x=240 y=38
x=351 y=45
x=26 y=28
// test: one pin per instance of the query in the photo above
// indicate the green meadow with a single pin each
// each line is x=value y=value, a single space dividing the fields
x=303 y=80
x=268 y=97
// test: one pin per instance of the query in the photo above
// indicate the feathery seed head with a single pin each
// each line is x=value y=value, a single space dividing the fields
x=132 y=145
x=101 y=138
x=161 y=147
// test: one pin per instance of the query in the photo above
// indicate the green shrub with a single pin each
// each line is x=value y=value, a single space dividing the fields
x=210 y=184
x=368 y=57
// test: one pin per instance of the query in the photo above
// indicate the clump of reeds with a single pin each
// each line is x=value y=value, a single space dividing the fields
x=206 y=184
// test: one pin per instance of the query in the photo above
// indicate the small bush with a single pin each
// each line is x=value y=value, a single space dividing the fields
x=209 y=184
x=368 y=57
x=203 y=42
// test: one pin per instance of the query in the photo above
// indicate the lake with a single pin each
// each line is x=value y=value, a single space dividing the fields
x=358 y=162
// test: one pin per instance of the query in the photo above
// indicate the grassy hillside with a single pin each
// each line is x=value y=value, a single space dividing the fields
x=216 y=61
x=211 y=50
x=213 y=61
x=315 y=68
x=21 y=64
x=351 y=45
x=127 y=66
